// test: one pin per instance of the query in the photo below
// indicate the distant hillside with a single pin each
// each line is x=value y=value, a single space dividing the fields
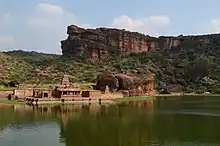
x=188 y=63
x=12 y=69
x=33 y=58
x=34 y=67
x=193 y=70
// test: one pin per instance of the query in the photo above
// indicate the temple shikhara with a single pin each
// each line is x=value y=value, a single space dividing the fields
x=67 y=90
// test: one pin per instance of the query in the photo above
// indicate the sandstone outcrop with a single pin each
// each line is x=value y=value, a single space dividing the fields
x=128 y=82
x=117 y=82
x=107 y=79
x=99 y=43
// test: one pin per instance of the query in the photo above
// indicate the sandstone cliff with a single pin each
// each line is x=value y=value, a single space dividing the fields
x=99 y=43
x=126 y=82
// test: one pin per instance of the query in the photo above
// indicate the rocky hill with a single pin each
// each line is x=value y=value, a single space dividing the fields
x=188 y=63
x=33 y=67
x=12 y=68
x=99 y=44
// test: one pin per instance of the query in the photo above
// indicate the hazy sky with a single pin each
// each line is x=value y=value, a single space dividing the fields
x=41 y=25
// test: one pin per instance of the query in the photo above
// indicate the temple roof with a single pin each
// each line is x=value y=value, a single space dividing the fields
x=69 y=89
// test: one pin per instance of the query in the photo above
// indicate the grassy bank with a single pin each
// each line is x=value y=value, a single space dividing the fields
x=133 y=98
x=171 y=95
x=6 y=89
x=5 y=101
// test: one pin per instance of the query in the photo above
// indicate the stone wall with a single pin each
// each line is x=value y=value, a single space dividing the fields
x=23 y=93
x=4 y=94
x=112 y=95
x=95 y=94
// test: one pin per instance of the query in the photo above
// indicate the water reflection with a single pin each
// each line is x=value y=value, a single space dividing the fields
x=160 y=122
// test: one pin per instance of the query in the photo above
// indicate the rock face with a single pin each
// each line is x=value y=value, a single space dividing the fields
x=109 y=80
x=125 y=82
x=99 y=43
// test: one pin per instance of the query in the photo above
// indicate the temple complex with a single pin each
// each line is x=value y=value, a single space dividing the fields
x=64 y=90
x=68 y=91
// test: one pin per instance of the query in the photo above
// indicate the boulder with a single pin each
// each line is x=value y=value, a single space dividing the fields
x=127 y=82
x=138 y=81
x=120 y=82
x=107 y=79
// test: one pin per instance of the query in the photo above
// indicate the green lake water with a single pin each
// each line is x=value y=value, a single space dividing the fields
x=191 y=121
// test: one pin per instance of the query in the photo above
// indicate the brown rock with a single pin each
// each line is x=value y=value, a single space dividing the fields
x=107 y=79
x=136 y=92
x=127 y=82
x=148 y=84
x=101 y=42
x=97 y=44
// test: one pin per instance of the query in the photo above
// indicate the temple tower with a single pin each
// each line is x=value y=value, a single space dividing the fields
x=65 y=80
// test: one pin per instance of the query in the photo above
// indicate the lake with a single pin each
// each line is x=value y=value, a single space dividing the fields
x=188 y=121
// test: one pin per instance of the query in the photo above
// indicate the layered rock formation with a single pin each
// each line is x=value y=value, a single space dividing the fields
x=98 y=44
x=133 y=84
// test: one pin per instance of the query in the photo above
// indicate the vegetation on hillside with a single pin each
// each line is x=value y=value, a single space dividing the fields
x=192 y=69
x=13 y=70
